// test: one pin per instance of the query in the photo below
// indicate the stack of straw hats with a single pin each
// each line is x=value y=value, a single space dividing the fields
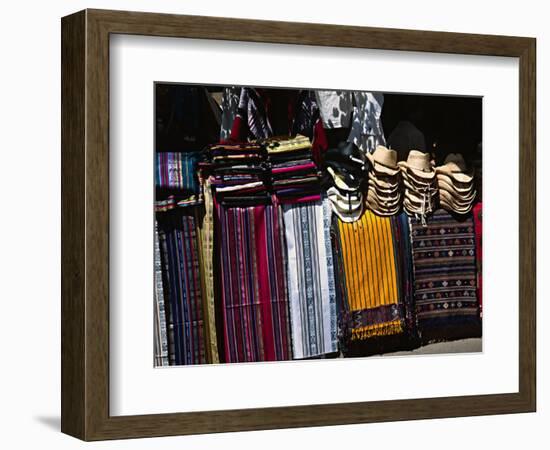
x=383 y=194
x=420 y=183
x=456 y=185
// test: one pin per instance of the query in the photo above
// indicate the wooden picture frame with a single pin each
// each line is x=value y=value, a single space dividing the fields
x=85 y=224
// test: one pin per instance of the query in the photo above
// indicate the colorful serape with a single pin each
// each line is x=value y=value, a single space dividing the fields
x=166 y=288
x=177 y=171
x=161 y=333
x=371 y=277
x=445 y=277
x=478 y=229
x=253 y=283
x=180 y=250
x=312 y=293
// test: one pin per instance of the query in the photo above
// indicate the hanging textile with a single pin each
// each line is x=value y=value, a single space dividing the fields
x=445 y=277
x=478 y=228
x=253 y=283
x=180 y=250
x=207 y=269
x=229 y=105
x=177 y=171
x=405 y=281
x=359 y=111
x=312 y=293
x=366 y=124
x=161 y=332
x=369 y=260
x=167 y=293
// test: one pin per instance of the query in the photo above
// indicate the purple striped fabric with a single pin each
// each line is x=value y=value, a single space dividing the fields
x=253 y=283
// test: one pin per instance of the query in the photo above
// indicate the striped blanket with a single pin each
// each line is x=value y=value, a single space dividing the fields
x=180 y=248
x=445 y=277
x=370 y=277
x=252 y=275
x=312 y=294
x=160 y=326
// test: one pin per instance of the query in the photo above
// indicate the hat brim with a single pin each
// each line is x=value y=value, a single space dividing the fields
x=383 y=196
x=452 y=208
x=415 y=209
x=413 y=197
x=410 y=186
x=457 y=198
x=356 y=196
x=383 y=191
x=445 y=182
x=347 y=216
x=459 y=203
x=380 y=168
x=340 y=182
x=380 y=210
x=421 y=174
x=385 y=204
x=413 y=176
x=461 y=177
x=345 y=205
x=382 y=183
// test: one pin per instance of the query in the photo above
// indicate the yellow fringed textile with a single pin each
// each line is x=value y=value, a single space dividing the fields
x=368 y=257
x=383 y=329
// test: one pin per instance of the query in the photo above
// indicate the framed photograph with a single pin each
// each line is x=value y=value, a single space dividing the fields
x=272 y=225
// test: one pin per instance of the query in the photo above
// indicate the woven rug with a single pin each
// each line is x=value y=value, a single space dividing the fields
x=444 y=265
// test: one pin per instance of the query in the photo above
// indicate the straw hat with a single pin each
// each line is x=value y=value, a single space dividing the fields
x=381 y=210
x=383 y=191
x=455 y=209
x=384 y=183
x=345 y=202
x=340 y=181
x=418 y=164
x=457 y=201
x=418 y=198
x=383 y=201
x=416 y=208
x=409 y=185
x=385 y=194
x=383 y=160
x=342 y=209
x=446 y=183
x=455 y=167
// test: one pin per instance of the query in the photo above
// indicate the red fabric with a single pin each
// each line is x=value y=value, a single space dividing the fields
x=239 y=130
x=478 y=228
x=320 y=142
x=263 y=283
x=294 y=168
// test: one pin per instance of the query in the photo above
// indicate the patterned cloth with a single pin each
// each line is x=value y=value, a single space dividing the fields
x=229 y=105
x=180 y=250
x=370 y=276
x=311 y=283
x=253 y=284
x=160 y=326
x=358 y=110
x=403 y=256
x=207 y=270
x=177 y=171
x=444 y=267
x=478 y=229
x=255 y=118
